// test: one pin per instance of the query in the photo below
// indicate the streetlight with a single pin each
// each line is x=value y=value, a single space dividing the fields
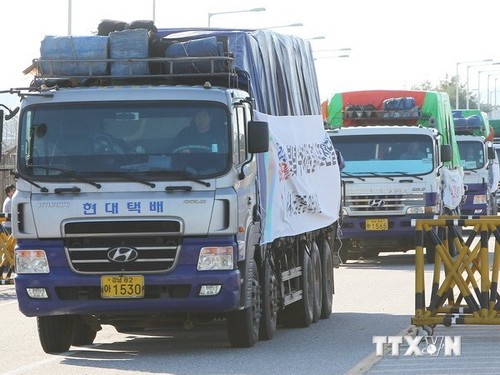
x=479 y=83
x=332 y=57
x=457 y=79
x=211 y=14
x=496 y=79
x=280 y=26
x=316 y=37
x=69 y=16
x=334 y=50
x=488 y=84
x=457 y=82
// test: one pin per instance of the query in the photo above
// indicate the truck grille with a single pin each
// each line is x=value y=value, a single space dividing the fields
x=148 y=246
x=383 y=204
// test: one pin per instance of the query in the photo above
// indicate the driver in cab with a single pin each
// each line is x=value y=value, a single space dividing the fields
x=200 y=136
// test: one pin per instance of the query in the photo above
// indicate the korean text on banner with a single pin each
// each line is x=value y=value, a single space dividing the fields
x=299 y=177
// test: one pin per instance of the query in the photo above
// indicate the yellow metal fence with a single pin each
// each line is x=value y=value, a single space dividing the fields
x=7 y=244
x=464 y=287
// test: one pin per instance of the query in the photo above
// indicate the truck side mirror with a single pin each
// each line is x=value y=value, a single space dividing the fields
x=445 y=153
x=258 y=137
x=1 y=132
x=491 y=153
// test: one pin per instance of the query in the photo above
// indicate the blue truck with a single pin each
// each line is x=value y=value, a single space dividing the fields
x=116 y=224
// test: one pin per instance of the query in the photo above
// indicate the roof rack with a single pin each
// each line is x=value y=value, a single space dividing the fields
x=363 y=116
x=157 y=69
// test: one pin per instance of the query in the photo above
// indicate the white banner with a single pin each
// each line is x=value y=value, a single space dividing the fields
x=299 y=177
x=453 y=187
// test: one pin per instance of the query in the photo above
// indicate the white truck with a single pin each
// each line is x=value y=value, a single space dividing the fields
x=479 y=162
x=401 y=164
x=116 y=224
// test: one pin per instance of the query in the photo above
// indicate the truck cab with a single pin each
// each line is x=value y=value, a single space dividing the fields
x=479 y=162
x=401 y=164
x=386 y=186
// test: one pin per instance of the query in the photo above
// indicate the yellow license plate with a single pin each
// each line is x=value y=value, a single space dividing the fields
x=377 y=224
x=122 y=286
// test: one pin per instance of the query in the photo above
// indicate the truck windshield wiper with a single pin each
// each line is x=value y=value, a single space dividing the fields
x=350 y=175
x=186 y=176
x=67 y=172
x=410 y=175
x=43 y=189
x=129 y=177
x=379 y=175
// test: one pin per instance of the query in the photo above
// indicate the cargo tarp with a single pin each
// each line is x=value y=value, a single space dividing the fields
x=279 y=68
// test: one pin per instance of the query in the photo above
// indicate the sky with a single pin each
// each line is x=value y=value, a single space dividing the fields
x=395 y=44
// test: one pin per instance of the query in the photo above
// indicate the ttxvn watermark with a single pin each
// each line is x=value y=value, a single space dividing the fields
x=419 y=345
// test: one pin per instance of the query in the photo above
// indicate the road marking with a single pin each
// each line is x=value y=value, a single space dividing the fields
x=369 y=361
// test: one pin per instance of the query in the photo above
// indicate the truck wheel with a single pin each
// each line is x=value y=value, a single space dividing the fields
x=318 y=277
x=269 y=317
x=83 y=333
x=327 y=281
x=55 y=333
x=300 y=313
x=243 y=325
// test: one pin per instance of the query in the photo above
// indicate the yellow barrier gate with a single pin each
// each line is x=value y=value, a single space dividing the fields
x=464 y=287
x=7 y=244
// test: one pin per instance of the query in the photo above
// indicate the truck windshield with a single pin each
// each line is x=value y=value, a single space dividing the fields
x=111 y=139
x=388 y=154
x=472 y=154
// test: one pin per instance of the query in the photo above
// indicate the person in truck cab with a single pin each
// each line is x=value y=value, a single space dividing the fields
x=413 y=152
x=201 y=135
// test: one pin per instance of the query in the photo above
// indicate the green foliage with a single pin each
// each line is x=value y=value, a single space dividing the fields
x=449 y=85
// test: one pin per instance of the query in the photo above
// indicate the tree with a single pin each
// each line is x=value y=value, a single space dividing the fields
x=449 y=85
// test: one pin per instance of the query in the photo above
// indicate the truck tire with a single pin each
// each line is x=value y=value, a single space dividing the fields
x=327 y=283
x=83 y=333
x=55 y=333
x=269 y=318
x=318 y=280
x=300 y=313
x=243 y=325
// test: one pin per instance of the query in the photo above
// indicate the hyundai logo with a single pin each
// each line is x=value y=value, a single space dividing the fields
x=122 y=254
x=376 y=203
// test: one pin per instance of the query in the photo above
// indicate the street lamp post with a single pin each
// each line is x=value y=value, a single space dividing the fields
x=282 y=26
x=332 y=57
x=211 y=14
x=496 y=79
x=316 y=37
x=488 y=84
x=469 y=63
x=334 y=50
x=479 y=84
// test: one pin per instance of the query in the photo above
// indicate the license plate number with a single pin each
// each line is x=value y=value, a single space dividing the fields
x=377 y=224
x=122 y=286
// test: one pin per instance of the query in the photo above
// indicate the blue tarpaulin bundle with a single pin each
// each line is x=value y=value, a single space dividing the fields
x=74 y=48
x=129 y=44
x=277 y=70
x=203 y=47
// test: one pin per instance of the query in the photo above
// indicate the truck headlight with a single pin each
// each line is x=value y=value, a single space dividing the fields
x=415 y=210
x=31 y=261
x=480 y=199
x=216 y=258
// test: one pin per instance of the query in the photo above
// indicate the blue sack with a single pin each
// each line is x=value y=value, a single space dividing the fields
x=204 y=47
x=66 y=48
x=129 y=44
